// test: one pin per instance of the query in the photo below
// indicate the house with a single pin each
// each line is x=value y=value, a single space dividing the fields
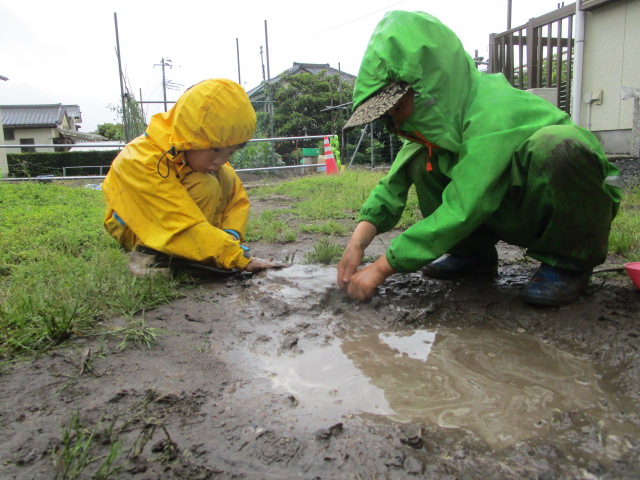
x=53 y=124
x=581 y=57
x=258 y=95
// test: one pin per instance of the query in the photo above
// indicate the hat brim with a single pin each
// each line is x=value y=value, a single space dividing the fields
x=377 y=105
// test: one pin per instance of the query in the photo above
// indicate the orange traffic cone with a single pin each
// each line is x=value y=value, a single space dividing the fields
x=329 y=159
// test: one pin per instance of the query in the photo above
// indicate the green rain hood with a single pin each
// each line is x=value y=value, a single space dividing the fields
x=474 y=121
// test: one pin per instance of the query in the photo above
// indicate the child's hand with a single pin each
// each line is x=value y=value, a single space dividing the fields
x=258 y=264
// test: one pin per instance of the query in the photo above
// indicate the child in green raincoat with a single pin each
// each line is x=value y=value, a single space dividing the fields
x=489 y=162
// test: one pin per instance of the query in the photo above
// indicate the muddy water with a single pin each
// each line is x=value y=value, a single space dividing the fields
x=504 y=387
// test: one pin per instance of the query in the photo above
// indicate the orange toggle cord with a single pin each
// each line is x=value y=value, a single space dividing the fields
x=429 y=146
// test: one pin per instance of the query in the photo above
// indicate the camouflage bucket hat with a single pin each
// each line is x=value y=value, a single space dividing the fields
x=377 y=105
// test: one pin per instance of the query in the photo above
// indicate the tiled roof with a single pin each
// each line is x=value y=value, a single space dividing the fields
x=316 y=68
x=36 y=115
x=74 y=112
x=313 y=68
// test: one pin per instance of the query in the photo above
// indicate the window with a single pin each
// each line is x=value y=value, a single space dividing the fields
x=27 y=141
x=9 y=134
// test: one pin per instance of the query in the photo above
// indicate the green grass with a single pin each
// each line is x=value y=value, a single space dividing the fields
x=321 y=204
x=78 y=453
x=624 y=239
x=60 y=273
x=271 y=226
x=325 y=252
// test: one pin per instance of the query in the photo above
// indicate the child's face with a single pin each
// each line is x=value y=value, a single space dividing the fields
x=403 y=109
x=209 y=161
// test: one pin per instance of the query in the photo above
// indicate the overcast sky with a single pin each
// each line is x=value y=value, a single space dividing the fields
x=64 y=52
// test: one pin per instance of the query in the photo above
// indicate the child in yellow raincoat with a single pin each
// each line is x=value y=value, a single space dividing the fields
x=172 y=195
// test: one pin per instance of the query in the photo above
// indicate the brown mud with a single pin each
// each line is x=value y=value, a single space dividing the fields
x=278 y=375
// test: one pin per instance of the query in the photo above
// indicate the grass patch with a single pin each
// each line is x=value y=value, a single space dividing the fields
x=60 y=273
x=325 y=204
x=271 y=226
x=324 y=252
x=625 y=232
x=330 y=227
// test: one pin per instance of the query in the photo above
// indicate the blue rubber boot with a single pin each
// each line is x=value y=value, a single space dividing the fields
x=554 y=287
x=451 y=266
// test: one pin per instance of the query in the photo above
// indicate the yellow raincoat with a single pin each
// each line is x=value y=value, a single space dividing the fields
x=155 y=199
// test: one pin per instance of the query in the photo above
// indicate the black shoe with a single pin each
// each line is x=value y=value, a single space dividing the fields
x=146 y=262
x=451 y=266
x=554 y=287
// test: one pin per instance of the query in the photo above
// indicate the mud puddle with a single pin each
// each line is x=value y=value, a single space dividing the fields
x=503 y=387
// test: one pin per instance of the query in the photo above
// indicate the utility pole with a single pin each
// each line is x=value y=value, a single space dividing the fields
x=269 y=93
x=262 y=62
x=165 y=62
x=125 y=124
x=238 y=54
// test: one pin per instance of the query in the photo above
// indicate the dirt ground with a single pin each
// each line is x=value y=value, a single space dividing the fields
x=279 y=375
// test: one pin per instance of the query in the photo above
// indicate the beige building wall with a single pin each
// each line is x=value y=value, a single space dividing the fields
x=39 y=135
x=611 y=61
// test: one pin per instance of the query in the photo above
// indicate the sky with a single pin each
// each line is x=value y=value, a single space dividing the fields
x=65 y=51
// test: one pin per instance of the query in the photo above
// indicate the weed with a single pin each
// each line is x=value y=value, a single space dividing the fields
x=324 y=252
x=137 y=333
x=78 y=453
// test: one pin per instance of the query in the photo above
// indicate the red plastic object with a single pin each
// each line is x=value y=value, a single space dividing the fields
x=633 y=270
x=329 y=159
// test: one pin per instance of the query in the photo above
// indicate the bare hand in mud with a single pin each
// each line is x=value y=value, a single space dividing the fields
x=363 y=284
x=258 y=264
x=349 y=264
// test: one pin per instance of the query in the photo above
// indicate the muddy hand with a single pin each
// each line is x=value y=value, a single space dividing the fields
x=363 y=284
x=258 y=264
x=348 y=264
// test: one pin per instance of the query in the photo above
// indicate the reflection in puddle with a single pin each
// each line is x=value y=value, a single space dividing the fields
x=327 y=382
x=502 y=386
x=497 y=384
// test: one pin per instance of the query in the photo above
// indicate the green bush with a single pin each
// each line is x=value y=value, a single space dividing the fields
x=51 y=163
x=254 y=155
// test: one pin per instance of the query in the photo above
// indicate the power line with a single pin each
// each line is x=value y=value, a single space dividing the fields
x=338 y=26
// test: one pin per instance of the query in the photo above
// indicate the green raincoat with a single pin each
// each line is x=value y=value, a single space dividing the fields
x=489 y=162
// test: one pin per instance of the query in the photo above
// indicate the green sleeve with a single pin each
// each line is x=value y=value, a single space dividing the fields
x=388 y=199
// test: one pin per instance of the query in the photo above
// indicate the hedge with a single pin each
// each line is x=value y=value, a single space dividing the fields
x=51 y=163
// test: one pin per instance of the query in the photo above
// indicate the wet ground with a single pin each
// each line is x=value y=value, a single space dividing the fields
x=279 y=375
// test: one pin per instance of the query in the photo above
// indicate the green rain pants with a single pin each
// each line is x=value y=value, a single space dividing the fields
x=559 y=205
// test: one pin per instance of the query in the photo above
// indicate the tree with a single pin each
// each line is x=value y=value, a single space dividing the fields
x=299 y=101
x=112 y=131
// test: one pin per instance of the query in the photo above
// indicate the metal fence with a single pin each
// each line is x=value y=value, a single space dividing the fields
x=369 y=150
x=49 y=178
